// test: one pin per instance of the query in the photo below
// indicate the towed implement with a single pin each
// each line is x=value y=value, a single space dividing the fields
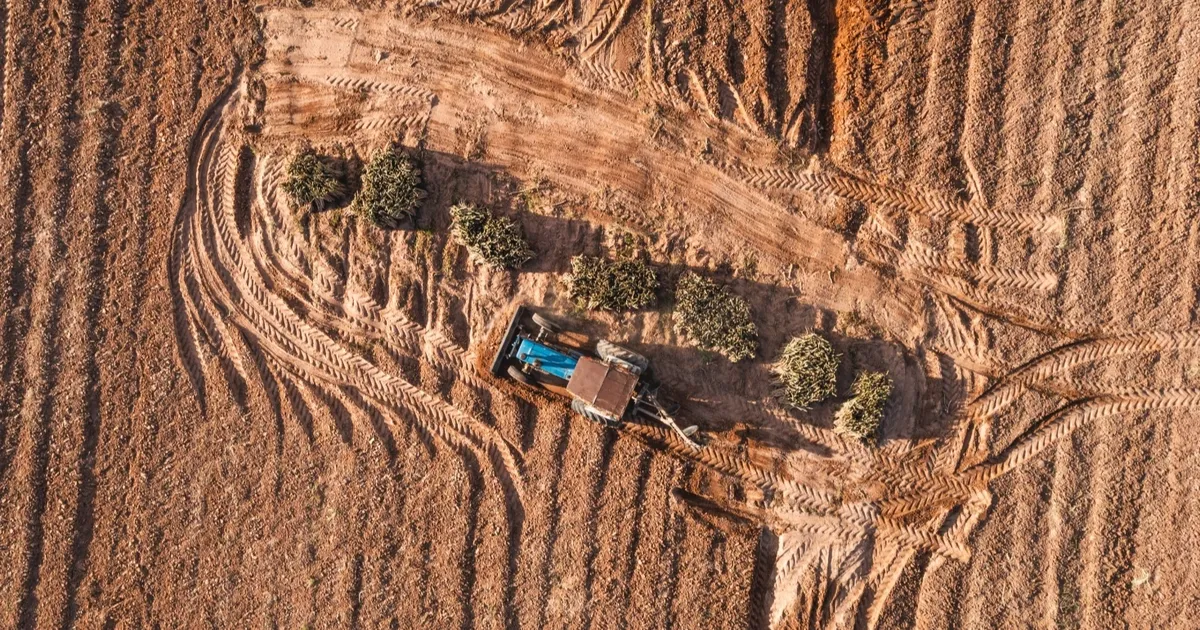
x=611 y=386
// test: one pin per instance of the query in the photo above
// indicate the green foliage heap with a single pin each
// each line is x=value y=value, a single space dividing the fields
x=623 y=285
x=391 y=189
x=311 y=182
x=807 y=370
x=497 y=240
x=861 y=416
x=714 y=318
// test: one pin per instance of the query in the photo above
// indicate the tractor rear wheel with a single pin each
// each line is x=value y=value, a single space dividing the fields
x=591 y=413
x=610 y=352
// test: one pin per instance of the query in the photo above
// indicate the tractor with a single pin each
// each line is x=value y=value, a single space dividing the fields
x=611 y=386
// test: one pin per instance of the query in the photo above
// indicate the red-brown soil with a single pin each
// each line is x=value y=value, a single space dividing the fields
x=219 y=412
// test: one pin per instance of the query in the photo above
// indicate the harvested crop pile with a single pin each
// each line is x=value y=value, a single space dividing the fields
x=391 y=188
x=622 y=285
x=499 y=241
x=807 y=371
x=312 y=183
x=714 y=318
x=861 y=416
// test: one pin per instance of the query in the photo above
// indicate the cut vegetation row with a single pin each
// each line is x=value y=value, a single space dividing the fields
x=708 y=314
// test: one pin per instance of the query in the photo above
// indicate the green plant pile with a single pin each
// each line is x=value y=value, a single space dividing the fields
x=623 y=285
x=807 y=370
x=497 y=240
x=861 y=416
x=713 y=318
x=391 y=189
x=311 y=182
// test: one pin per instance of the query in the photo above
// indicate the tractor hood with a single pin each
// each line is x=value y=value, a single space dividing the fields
x=546 y=359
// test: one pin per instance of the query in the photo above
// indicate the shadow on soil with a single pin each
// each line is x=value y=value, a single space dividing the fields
x=716 y=394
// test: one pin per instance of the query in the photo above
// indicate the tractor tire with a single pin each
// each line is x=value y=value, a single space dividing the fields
x=545 y=324
x=590 y=413
x=610 y=352
x=518 y=375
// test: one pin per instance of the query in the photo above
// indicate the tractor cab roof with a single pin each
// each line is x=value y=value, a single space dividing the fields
x=604 y=386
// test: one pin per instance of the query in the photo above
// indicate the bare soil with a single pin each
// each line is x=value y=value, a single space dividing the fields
x=219 y=411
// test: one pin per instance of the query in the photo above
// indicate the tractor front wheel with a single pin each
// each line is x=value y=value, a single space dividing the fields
x=518 y=375
x=548 y=325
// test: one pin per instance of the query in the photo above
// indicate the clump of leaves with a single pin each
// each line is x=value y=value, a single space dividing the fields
x=714 y=318
x=807 y=370
x=497 y=240
x=391 y=188
x=623 y=285
x=311 y=182
x=861 y=416
x=467 y=221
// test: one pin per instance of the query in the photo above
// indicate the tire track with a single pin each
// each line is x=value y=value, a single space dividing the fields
x=546 y=562
x=987 y=67
x=593 y=506
x=946 y=490
x=388 y=124
x=1103 y=152
x=604 y=74
x=921 y=203
x=1183 y=184
x=356 y=312
x=1061 y=360
x=1064 y=539
x=346 y=82
x=278 y=330
x=1063 y=140
x=1022 y=123
x=942 y=108
x=900 y=529
x=796 y=494
x=744 y=410
x=918 y=254
x=227 y=283
x=180 y=270
x=300 y=404
x=82 y=522
x=605 y=22
x=16 y=298
x=881 y=582
x=5 y=55
x=646 y=571
x=1137 y=294
x=473 y=7
x=905 y=76
x=48 y=297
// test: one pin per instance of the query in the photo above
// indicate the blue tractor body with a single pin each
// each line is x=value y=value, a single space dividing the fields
x=545 y=359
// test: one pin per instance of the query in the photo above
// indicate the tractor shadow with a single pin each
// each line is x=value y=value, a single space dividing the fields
x=740 y=399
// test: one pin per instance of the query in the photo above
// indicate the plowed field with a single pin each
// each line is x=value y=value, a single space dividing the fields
x=219 y=411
